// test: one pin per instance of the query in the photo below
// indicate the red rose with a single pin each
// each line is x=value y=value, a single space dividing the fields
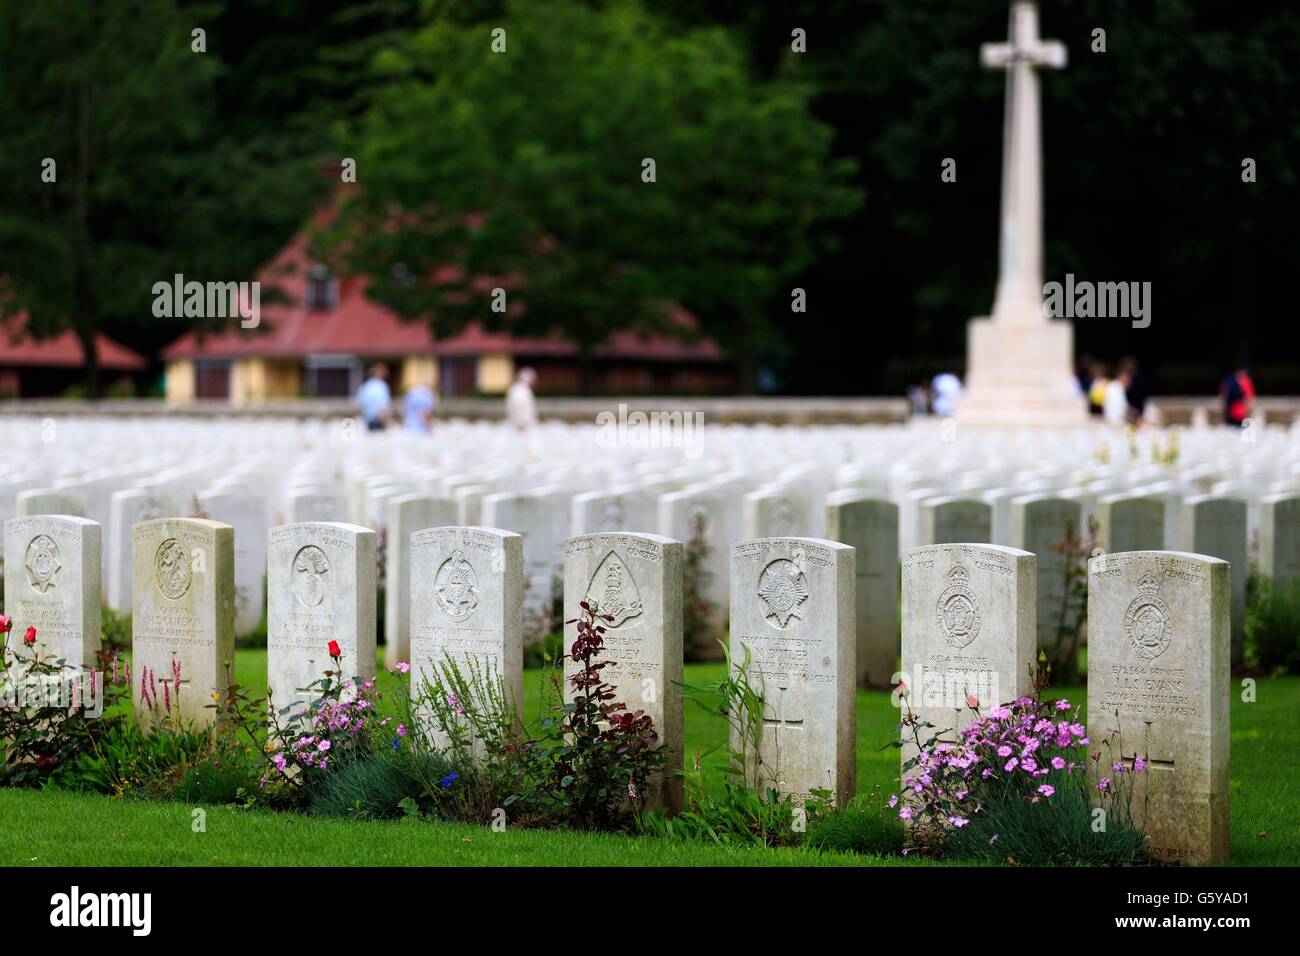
x=6 y=623
x=334 y=649
x=30 y=637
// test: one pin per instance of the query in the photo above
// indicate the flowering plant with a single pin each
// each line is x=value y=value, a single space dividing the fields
x=49 y=709
x=605 y=758
x=1017 y=784
x=337 y=726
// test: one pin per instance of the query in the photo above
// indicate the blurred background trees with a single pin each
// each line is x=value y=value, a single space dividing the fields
x=774 y=169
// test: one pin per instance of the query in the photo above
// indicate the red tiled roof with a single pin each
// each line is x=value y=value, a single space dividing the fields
x=17 y=348
x=356 y=325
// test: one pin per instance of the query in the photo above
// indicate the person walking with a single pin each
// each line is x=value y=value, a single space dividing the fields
x=1238 y=394
x=521 y=406
x=375 y=399
x=417 y=409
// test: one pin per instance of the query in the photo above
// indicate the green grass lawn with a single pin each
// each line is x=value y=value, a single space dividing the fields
x=53 y=828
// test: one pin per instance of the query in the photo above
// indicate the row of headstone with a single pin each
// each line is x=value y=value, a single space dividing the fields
x=1159 y=646
x=1159 y=635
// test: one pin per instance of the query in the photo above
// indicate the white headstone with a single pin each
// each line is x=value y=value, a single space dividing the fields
x=320 y=588
x=1158 y=672
x=635 y=579
x=467 y=606
x=406 y=515
x=1217 y=527
x=870 y=526
x=793 y=609
x=1279 y=537
x=969 y=630
x=52 y=583
x=183 y=618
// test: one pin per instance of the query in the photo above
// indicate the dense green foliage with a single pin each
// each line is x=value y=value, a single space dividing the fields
x=205 y=163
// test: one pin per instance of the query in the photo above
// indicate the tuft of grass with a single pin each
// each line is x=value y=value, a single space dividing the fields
x=865 y=825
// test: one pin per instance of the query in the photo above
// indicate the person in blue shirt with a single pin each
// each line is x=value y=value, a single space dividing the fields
x=375 y=399
x=417 y=409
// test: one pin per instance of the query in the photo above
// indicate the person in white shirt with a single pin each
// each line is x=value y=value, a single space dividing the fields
x=945 y=390
x=375 y=399
x=1114 y=406
x=521 y=406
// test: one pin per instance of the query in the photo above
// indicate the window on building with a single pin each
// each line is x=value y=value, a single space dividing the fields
x=322 y=289
x=212 y=378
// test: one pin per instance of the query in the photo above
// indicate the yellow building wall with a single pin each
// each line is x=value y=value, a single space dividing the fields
x=247 y=381
x=254 y=381
x=178 y=380
x=495 y=372
x=283 y=379
x=418 y=370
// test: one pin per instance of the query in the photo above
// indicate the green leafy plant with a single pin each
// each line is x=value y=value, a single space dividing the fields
x=49 y=708
x=1273 y=625
x=750 y=809
x=601 y=756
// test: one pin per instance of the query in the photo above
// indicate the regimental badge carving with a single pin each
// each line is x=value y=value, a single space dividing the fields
x=310 y=565
x=613 y=591
x=611 y=516
x=783 y=518
x=171 y=568
x=784 y=590
x=959 y=609
x=1147 y=620
x=43 y=564
x=456 y=587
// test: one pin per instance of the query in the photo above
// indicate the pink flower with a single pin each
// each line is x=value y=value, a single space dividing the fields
x=892 y=801
x=1062 y=704
x=403 y=667
x=1139 y=764
x=1046 y=789
x=631 y=790
x=323 y=746
x=972 y=701
x=958 y=821
x=1058 y=763
x=1011 y=765
x=401 y=730
x=1103 y=783
x=280 y=762
x=1004 y=751
x=905 y=813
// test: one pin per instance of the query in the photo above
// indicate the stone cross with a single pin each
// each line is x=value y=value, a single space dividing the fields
x=1018 y=366
x=1020 y=264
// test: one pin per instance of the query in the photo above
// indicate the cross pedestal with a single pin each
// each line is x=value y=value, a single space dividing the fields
x=1019 y=368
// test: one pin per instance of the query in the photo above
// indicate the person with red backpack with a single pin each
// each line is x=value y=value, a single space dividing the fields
x=1238 y=394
